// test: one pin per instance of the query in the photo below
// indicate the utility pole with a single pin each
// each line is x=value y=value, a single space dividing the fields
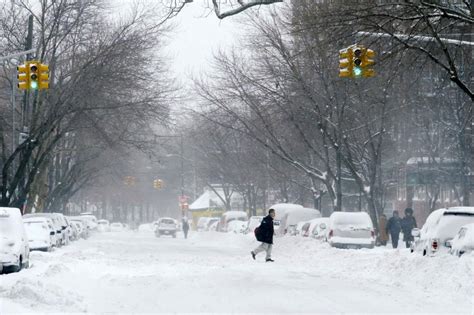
x=28 y=46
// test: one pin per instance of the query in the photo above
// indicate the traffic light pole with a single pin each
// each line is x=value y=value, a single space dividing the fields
x=28 y=46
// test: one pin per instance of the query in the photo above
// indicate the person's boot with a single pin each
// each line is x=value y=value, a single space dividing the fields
x=269 y=260
x=253 y=255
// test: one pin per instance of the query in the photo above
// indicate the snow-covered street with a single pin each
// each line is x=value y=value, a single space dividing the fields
x=131 y=272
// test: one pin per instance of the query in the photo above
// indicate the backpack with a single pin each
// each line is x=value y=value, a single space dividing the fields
x=257 y=233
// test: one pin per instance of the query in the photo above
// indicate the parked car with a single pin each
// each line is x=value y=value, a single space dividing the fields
x=319 y=228
x=103 y=226
x=166 y=226
x=202 y=224
x=41 y=233
x=82 y=224
x=440 y=228
x=62 y=237
x=211 y=222
x=237 y=226
x=463 y=242
x=253 y=223
x=91 y=220
x=214 y=225
x=14 y=248
x=298 y=229
x=289 y=215
x=350 y=230
x=117 y=227
x=229 y=216
x=74 y=230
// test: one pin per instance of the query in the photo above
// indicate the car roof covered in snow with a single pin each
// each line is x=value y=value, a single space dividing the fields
x=234 y=214
x=350 y=218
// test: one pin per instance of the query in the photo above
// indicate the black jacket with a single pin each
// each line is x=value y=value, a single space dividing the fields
x=265 y=230
x=393 y=226
x=408 y=223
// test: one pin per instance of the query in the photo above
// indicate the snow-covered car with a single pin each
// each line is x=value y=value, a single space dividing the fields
x=41 y=233
x=91 y=220
x=14 y=248
x=82 y=225
x=61 y=230
x=318 y=228
x=213 y=220
x=253 y=223
x=103 y=226
x=440 y=228
x=166 y=226
x=202 y=224
x=230 y=216
x=350 y=230
x=289 y=215
x=145 y=227
x=463 y=242
x=237 y=226
x=117 y=227
x=214 y=225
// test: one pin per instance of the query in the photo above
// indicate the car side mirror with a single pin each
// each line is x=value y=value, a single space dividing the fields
x=415 y=232
x=448 y=243
x=52 y=233
x=323 y=226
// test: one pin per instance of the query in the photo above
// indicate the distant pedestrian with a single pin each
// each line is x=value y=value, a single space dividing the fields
x=383 y=236
x=185 y=227
x=264 y=234
x=408 y=223
x=393 y=228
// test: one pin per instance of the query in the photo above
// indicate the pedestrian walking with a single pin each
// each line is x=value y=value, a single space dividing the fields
x=264 y=234
x=408 y=223
x=383 y=236
x=185 y=227
x=393 y=228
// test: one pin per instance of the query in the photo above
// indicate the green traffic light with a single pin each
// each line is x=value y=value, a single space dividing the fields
x=34 y=85
x=357 y=71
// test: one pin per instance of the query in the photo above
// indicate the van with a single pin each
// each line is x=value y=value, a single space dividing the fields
x=14 y=249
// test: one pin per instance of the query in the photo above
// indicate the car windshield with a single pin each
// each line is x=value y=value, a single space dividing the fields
x=356 y=220
x=36 y=228
x=167 y=221
x=7 y=228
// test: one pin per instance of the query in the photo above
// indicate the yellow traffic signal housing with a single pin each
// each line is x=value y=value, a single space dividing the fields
x=43 y=78
x=367 y=63
x=356 y=61
x=345 y=63
x=33 y=75
x=157 y=183
x=23 y=77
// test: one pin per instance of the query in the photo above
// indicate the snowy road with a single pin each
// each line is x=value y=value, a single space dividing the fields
x=212 y=272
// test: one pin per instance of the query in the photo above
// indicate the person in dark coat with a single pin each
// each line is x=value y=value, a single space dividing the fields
x=393 y=228
x=408 y=223
x=264 y=234
x=185 y=228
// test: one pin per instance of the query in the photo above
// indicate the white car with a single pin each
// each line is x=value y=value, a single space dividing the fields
x=463 y=242
x=318 y=228
x=350 y=230
x=237 y=226
x=14 y=249
x=117 y=227
x=166 y=226
x=103 y=226
x=440 y=228
x=61 y=232
x=41 y=233
x=82 y=225
x=91 y=220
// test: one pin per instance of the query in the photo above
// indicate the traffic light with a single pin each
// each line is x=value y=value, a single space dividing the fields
x=345 y=63
x=43 y=77
x=157 y=183
x=23 y=77
x=367 y=63
x=357 y=61
x=33 y=75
